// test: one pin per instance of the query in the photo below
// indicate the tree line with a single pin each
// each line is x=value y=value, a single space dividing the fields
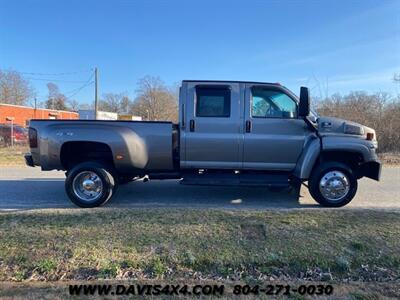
x=380 y=111
x=154 y=99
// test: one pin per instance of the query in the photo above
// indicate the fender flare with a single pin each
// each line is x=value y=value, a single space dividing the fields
x=308 y=158
x=313 y=150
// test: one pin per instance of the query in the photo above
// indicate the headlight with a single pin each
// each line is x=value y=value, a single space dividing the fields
x=353 y=129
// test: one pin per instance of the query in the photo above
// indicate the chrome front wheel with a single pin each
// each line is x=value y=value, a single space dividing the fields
x=334 y=185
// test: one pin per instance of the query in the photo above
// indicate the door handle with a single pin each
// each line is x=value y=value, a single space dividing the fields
x=191 y=125
x=183 y=116
x=248 y=126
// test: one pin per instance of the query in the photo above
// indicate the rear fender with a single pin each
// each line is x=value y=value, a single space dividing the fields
x=128 y=149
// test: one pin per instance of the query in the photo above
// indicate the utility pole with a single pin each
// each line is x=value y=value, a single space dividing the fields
x=35 y=108
x=96 y=104
x=11 y=119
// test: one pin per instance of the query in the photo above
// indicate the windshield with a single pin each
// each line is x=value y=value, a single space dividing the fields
x=313 y=113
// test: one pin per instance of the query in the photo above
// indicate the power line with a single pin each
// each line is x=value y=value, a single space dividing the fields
x=78 y=90
x=57 y=74
x=68 y=95
x=75 y=92
x=87 y=82
x=56 y=80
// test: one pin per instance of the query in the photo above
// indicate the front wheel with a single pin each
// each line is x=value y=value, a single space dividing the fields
x=333 y=184
x=90 y=184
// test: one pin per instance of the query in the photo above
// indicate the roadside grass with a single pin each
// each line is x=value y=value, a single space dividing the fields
x=13 y=156
x=171 y=244
x=390 y=158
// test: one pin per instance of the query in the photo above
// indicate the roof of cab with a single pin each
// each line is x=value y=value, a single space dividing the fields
x=233 y=81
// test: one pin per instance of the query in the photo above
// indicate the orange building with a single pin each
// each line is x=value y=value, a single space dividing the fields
x=22 y=114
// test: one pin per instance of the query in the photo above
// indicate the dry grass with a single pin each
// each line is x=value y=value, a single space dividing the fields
x=13 y=156
x=390 y=159
x=182 y=243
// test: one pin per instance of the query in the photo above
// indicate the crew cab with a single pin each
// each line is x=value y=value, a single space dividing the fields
x=229 y=133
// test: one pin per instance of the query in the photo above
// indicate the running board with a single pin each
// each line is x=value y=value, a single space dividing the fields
x=281 y=180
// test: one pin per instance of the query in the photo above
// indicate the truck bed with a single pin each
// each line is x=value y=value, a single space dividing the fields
x=134 y=145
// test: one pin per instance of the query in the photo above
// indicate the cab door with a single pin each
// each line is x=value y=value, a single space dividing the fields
x=211 y=131
x=274 y=134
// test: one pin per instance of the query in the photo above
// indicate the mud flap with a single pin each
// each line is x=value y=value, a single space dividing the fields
x=371 y=169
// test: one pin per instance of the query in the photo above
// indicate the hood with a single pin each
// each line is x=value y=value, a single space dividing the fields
x=330 y=125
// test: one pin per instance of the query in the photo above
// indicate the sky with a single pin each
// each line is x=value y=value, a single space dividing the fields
x=331 y=46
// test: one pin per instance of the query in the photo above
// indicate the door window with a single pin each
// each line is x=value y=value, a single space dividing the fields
x=213 y=102
x=268 y=103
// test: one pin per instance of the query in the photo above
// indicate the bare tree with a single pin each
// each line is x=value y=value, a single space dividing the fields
x=380 y=111
x=155 y=101
x=55 y=100
x=125 y=104
x=73 y=104
x=14 y=88
x=112 y=102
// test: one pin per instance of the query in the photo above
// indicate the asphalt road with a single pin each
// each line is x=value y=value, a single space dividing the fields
x=24 y=188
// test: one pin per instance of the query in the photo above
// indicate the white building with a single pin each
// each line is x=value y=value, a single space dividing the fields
x=89 y=114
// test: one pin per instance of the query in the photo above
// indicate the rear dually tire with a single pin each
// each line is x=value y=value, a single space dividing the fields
x=90 y=184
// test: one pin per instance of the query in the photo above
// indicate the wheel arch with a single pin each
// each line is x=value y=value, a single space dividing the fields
x=354 y=152
x=75 y=152
x=305 y=167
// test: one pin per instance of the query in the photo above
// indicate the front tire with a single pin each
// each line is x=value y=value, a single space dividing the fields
x=333 y=184
x=90 y=184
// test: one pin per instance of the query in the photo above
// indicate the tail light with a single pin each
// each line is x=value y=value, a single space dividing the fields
x=32 y=133
x=370 y=136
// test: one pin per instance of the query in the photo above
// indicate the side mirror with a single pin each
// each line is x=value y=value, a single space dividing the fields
x=304 y=105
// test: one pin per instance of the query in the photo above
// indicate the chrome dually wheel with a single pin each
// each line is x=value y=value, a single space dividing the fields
x=87 y=186
x=334 y=185
x=90 y=184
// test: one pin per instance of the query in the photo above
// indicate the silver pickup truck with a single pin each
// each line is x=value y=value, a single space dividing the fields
x=229 y=133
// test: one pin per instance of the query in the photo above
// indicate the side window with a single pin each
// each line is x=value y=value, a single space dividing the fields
x=213 y=101
x=267 y=103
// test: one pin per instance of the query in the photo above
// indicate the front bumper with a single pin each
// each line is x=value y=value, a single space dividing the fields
x=370 y=169
x=29 y=160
